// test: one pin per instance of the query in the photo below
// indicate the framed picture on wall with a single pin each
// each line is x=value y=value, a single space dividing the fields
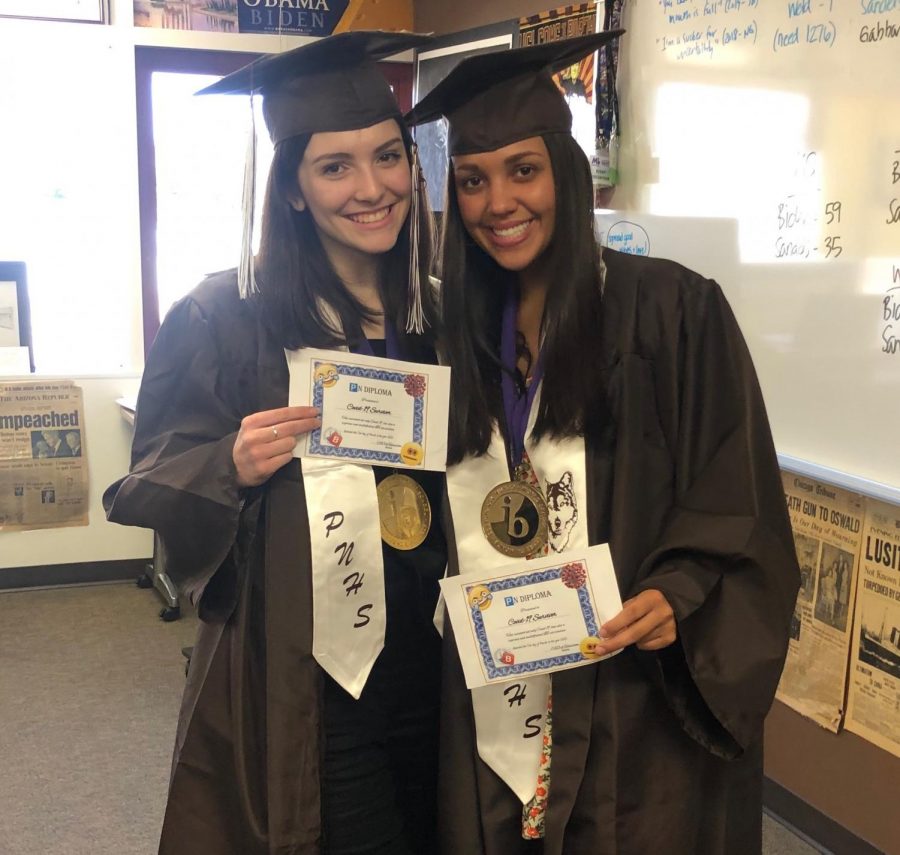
x=85 y=11
x=15 y=315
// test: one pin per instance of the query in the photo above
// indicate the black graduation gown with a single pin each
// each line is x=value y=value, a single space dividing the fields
x=247 y=761
x=658 y=752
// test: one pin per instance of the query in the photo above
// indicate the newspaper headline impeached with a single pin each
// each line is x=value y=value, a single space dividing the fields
x=827 y=523
x=43 y=465
x=873 y=702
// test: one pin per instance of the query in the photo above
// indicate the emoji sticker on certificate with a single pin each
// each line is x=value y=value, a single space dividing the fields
x=532 y=617
x=382 y=412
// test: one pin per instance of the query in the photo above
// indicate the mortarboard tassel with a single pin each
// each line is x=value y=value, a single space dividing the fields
x=415 y=320
x=246 y=271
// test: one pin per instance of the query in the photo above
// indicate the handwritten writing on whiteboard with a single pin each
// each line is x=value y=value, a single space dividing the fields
x=890 y=333
x=703 y=28
x=808 y=225
x=629 y=238
x=824 y=33
x=706 y=41
x=890 y=315
x=879 y=31
x=893 y=217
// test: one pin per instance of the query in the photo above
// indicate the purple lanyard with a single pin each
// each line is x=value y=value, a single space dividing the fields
x=391 y=344
x=516 y=407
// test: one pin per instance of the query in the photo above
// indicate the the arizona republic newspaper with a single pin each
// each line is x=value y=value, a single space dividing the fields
x=827 y=524
x=43 y=466
x=873 y=704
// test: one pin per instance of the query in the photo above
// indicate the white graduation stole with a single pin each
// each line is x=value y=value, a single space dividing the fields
x=510 y=717
x=349 y=610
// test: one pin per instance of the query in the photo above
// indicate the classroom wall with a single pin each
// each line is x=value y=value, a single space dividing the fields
x=841 y=775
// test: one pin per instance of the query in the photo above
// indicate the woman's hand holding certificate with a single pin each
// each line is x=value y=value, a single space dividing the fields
x=265 y=442
x=646 y=621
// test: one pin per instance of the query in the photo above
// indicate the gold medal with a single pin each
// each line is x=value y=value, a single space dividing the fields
x=514 y=519
x=404 y=511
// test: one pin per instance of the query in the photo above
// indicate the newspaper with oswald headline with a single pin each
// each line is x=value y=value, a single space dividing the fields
x=43 y=463
x=827 y=522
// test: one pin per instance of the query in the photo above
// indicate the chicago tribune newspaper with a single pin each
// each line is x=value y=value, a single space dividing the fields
x=827 y=524
x=43 y=464
x=873 y=703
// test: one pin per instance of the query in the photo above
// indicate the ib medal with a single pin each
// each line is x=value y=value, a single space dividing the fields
x=514 y=519
x=404 y=511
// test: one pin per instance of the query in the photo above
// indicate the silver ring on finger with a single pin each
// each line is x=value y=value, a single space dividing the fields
x=275 y=432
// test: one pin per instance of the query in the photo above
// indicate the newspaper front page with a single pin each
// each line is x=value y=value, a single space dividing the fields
x=43 y=464
x=873 y=702
x=827 y=524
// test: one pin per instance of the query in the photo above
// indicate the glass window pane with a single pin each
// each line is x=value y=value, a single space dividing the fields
x=201 y=145
x=69 y=208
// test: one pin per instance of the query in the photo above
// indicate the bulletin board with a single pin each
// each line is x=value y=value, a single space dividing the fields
x=761 y=147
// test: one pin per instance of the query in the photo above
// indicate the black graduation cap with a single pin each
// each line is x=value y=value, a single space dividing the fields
x=328 y=85
x=494 y=99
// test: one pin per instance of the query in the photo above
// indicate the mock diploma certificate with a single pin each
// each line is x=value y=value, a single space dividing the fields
x=532 y=617
x=376 y=411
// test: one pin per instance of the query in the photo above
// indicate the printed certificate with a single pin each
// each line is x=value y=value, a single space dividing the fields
x=532 y=617
x=376 y=411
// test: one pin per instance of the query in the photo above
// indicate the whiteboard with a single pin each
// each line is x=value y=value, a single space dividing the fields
x=761 y=147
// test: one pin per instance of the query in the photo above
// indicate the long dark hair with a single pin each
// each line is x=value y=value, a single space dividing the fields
x=294 y=272
x=473 y=290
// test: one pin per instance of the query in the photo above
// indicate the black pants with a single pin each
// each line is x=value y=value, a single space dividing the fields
x=379 y=785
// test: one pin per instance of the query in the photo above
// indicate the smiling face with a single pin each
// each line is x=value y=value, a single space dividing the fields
x=480 y=597
x=507 y=201
x=357 y=187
